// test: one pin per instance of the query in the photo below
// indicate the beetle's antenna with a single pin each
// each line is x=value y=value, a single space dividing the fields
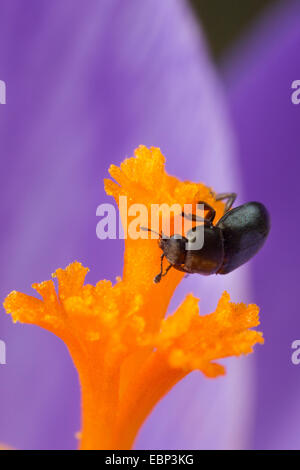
x=146 y=229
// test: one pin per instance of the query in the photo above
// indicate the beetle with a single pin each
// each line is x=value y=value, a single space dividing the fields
x=234 y=240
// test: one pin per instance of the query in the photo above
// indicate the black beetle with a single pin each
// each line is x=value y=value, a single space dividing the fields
x=235 y=239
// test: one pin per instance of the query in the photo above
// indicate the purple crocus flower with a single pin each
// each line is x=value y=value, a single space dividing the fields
x=259 y=76
x=87 y=83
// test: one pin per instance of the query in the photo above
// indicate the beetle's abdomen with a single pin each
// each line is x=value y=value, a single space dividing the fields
x=245 y=230
x=209 y=258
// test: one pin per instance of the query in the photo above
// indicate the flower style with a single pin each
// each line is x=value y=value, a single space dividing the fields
x=128 y=355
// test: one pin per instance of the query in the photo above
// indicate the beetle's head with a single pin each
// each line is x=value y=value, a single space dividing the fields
x=174 y=249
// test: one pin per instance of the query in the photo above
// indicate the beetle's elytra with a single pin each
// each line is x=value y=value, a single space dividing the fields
x=233 y=241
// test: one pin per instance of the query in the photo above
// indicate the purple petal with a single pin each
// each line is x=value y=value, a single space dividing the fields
x=86 y=84
x=259 y=78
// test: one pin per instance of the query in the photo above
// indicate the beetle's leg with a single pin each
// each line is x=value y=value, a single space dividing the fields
x=193 y=217
x=167 y=270
x=211 y=211
x=196 y=218
x=231 y=197
x=157 y=278
x=159 y=275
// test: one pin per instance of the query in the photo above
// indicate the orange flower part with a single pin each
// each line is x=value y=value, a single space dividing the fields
x=5 y=447
x=127 y=354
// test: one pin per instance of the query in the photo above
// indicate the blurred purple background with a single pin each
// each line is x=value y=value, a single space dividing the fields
x=87 y=82
x=259 y=75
